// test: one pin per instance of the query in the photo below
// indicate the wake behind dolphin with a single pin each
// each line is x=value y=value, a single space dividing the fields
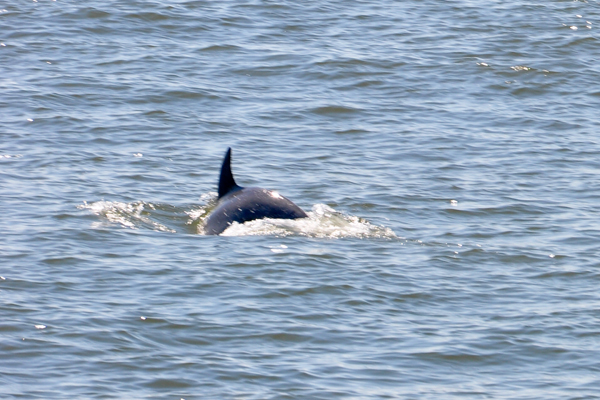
x=239 y=204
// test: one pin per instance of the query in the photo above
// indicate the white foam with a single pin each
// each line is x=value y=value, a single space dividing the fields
x=200 y=213
x=128 y=215
x=323 y=222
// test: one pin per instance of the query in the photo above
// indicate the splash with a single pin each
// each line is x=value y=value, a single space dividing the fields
x=322 y=222
x=198 y=214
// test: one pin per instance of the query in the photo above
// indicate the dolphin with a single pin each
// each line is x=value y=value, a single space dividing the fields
x=239 y=204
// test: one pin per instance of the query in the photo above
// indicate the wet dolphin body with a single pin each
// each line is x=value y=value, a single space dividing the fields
x=238 y=204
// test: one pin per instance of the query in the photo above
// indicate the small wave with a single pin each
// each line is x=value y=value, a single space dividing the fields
x=335 y=109
x=130 y=215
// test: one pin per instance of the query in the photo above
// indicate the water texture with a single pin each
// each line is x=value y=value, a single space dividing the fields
x=447 y=154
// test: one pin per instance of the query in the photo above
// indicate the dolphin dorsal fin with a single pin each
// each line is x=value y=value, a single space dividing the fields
x=226 y=181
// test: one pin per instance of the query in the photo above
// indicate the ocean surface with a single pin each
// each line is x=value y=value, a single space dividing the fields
x=447 y=153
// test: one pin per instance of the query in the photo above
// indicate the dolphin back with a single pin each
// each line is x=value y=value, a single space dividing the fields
x=249 y=204
x=238 y=204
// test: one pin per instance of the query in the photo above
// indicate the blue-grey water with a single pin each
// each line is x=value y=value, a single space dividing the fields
x=448 y=154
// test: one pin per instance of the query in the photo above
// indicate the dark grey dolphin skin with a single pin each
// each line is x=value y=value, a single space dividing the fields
x=238 y=204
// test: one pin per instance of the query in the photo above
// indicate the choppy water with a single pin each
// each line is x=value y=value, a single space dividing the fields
x=447 y=153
